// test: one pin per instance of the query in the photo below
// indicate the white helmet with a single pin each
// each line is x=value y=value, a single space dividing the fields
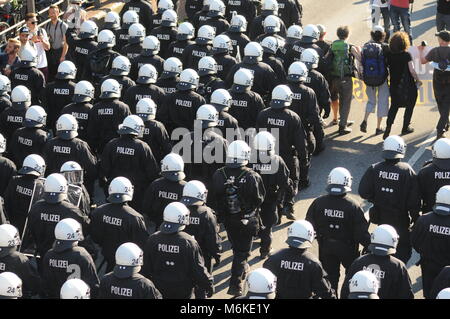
x=222 y=43
x=253 y=52
x=73 y=172
x=384 y=240
x=188 y=80
x=270 y=5
x=147 y=74
x=2 y=144
x=112 y=21
x=301 y=234
x=106 y=39
x=186 y=31
x=129 y=18
x=221 y=99
x=169 y=18
x=146 y=109
x=5 y=84
x=264 y=141
x=297 y=72
x=110 y=89
x=441 y=153
x=207 y=65
x=67 y=127
x=35 y=116
x=339 y=181
x=270 y=45
x=271 y=24
x=120 y=66
x=216 y=8
x=88 y=29
x=208 y=115
x=172 y=66
x=281 y=97
x=238 y=23
x=394 y=147
x=262 y=281
x=55 y=188
x=28 y=57
x=363 y=282
x=84 y=92
x=444 y=294
x=129 y=259
x=68 y=230
x=205 y=34
x=311 y=58
x=310 y=33
x=9 y=237
x=66 y=71
x=120 y=190
x=242 y=79
x=33 y=164
x=21 y=96
x=10 y=285
x=294 y=32
x=238 y=154
x=164 y=5
x=442 y=206
x=176 y=217
x=131 y=125
x=136 y=33
x=172 y=167
x=75 y=289
x=194 y=193
x=150 y=45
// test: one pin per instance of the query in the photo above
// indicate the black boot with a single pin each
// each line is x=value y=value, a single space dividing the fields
x=387 y=131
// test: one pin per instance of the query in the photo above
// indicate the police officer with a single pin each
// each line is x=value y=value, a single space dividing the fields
x=130 y=17
x=391 y=272
x=340 y=224
x=201 y=15
x=275 y=175
x=13 y=261
x=145 y=88
x=142 y=8
x=10 y=286
x=261 y=284
x=84 y=45
x=245 y=103
x=31 y=138
x=106 y=115
x=299 y=273
x=166 y=32
x=136 y=34
x=434 y=174
x=11 y=118
x=115 y=223
x=148 y=55
x=125 y=281
x=173 y=259
x=74 y=174
x=236 y=194
x=269 y=7
x=163 y=5
x=293 y=34
x=170 y=76
x=180 y=107
x=75 y=289
x=227 y=124
x=191 y=7
x=441 y=282
x=221 y=50
x=430 y=238
x=202 y=47
x=208 y=81
x=7 y=167
x=155 y=133
x=120 y=69
x=272 y=26
x=364 y=285
x=67 y=147
x=112 y=22
x=393 y=188
x=292 y=141
x=237 y=33
x=164 y=190
x=5 y=90
x=270 y=46
x=304 y=103
x=81 y=106
x=18 y=194
x=25 y=73
x=129 y=157
x=59 y=93
x=265 y=78
x=186 y=33
x=67 y=259
x=289 y=12
x=46 y=213
x=216 y=17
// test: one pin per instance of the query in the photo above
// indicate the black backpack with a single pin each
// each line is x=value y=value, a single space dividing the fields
x=100 y=64
x=233 y=202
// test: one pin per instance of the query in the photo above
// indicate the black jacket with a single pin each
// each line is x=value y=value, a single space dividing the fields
x=304 y=103
x=165 y=35
x=122 y=38
x=140 y=60
x=294 y=53
x=168 y=85
x=138 y=92
x=143 y=8
x=316 y=81
x=441 y=282
x=30 y=77
x=176 y=49
x=219 y=24
x=191 y=7
x=134 y=287
x=92 y=75
x=5 y=102
x=289 y=12
x=55 y=96
x=124 y=81
x=243 y=7
x=25 y=141
x=11 y=119
x=7 y=171
x=208 y=84
x=224 y=63
x=199 y=17
x=131 y=50
x=256 y=26
x=80 y=111
x=238 y=40
x=193 y=53
x=156 y=136
x=431 y=179
x=227 y=121
x=245 y=107
x=82 y=49
x=276 y=64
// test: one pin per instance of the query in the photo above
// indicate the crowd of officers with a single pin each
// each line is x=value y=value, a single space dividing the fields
x=165 y=123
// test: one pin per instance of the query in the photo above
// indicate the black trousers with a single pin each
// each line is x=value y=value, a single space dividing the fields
x=442 y=96
x=406 y=118
x=53 y=57
x=294 y=168
x=430 y=271
x=404 y=248
x=269 y=218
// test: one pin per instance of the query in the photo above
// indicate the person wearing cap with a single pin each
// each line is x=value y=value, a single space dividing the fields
x=130 y=157
x=391 y=272
x=83 y=45
x=340 y=224
x=392 y=186
x=441 y=282
x=380 y=8
x=120 y=71
x=299 y=273
x=148 y=55
x=125 y=281
x=209 y=81
x=7 y=167
x=24 y=38
x=66 y=259
x=174 y=260
x=441 y=78
x=143 y=8
x=41 y=42
x=166 y=32
x=430 y=238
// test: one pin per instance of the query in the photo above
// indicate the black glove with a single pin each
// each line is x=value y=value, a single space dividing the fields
x=210 y=291
x=216 y=261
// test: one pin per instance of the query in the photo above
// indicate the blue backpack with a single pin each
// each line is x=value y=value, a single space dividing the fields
x=374 y=65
